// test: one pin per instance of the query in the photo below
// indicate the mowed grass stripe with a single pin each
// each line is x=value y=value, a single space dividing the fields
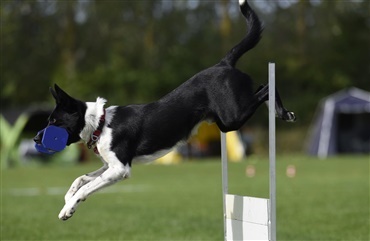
x=36 y=191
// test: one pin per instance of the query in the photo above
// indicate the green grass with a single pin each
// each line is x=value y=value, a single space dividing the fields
x=327 y=200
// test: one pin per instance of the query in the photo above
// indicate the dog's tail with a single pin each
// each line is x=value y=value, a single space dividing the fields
x=253 y=35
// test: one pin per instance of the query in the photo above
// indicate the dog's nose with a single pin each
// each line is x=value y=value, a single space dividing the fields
x=37 y=139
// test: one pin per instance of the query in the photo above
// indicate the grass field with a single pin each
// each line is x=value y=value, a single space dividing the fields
x=326 y=200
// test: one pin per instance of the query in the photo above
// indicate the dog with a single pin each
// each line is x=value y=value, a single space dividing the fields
x=122 y=135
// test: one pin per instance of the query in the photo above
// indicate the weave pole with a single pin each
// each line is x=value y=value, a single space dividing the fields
x=250 y=218
x=272 y=153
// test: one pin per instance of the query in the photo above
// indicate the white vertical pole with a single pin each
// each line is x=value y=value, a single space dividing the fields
x=272 y=152
x=224 y=177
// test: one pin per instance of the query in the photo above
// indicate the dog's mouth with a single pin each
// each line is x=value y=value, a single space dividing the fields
x=50 y=140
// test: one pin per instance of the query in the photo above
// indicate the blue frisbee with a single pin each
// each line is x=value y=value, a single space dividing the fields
x=54 y=140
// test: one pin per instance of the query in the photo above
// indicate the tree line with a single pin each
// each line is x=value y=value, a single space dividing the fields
x=137 y=51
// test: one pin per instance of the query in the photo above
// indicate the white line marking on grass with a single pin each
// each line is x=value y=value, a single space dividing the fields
x=37 y=191
x=32 y=191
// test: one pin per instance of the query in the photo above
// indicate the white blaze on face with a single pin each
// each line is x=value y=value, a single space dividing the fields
x=241 y=2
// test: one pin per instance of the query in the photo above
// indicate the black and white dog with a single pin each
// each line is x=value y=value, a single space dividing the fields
x=121 y=135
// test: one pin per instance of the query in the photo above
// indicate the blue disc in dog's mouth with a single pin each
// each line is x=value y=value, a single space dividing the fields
x=54 y=139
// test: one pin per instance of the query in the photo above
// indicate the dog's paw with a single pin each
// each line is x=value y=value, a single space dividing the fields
x=290 y=116
x=66 y=213
x=69 y=209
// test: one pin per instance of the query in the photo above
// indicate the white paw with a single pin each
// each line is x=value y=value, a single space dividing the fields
x=68 y=209
x=66 y=213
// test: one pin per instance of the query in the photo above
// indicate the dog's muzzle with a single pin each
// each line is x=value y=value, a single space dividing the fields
x=37 y=139
x=51 y=139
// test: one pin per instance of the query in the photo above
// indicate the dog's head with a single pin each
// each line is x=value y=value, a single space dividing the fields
x=69 y=114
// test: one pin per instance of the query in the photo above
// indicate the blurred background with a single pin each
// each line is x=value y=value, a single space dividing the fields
x=137 y=51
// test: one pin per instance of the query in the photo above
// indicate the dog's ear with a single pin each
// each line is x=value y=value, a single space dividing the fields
x=54 y=94
x=61 y=96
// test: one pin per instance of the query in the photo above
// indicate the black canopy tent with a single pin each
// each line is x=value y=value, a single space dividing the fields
x=341 y=124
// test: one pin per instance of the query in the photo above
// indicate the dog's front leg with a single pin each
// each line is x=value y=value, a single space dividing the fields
x=84 y=179
x=113 y=174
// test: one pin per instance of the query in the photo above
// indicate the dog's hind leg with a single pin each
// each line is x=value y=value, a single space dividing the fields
x=234 y=118
x=83 y=180
x=281 y=112
x=115 y=172
x=260 y=96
